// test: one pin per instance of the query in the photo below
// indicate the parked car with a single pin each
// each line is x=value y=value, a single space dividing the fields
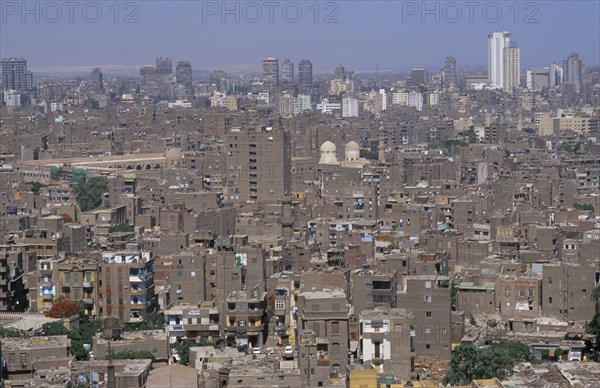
x=256 y=351
x=288 y=351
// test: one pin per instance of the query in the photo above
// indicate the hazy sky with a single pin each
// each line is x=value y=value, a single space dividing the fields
x=358 y=34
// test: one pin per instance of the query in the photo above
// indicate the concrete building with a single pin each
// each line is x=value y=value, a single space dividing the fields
x=15 y=75
x=387 y=341
x=566 y=291
x=127 y=285
x=349 y=107
x=258 y=165
x=193 y=321
x=538 y=79
x=305 y=73
x=428 y=297
x=369 y=289
x=271 y=71
x=573 y=71
x=21 y=355
x=287 y=72
x=497 y=43
x=512 y=68
x=152 y=341
x=323 y=335
x=183 y=76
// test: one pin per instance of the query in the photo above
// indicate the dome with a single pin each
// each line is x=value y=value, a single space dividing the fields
x=352 y=151
x=328 y=147
x=172 y=156
x=328 y=155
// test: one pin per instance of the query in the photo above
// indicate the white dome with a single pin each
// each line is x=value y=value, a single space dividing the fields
x=352 y=151
x=328 y=155
x=328 y=146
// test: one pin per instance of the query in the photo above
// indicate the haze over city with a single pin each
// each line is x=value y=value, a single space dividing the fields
x=389 y=35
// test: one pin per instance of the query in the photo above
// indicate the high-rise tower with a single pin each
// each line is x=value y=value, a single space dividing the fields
x=497 y=42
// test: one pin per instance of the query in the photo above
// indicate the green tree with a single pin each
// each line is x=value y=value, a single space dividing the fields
x=122 y=227
x=584 y=207
x=11 y=332
x=152 y=321
x=368 y=154
x=469 y=363
x=183 y=349
x=36 y=187
x=593 y=327
x=89 y=193
x=131 y=355
x=54 y=328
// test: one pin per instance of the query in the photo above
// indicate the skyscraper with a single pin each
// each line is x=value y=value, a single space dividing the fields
x=15 y=75
x=271 y=70
x=183 y=76
x=97 y=79
x=164 y=66
x=497 y=42
x=305 y=73
x=512 y=68
x=555 y=76
x=573 y=71
x=418 y=76
x=449 y=71
x=339 y=72
x=287 y=72
x=148 y=75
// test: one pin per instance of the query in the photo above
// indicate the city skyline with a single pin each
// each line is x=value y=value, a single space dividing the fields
x=402 y=43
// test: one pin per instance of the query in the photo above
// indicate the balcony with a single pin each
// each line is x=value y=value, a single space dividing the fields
x=201 y=327
x=87 y=285
x=66 y=285
x=255 y=313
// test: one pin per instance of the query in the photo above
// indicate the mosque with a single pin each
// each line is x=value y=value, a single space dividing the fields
x=352 y=157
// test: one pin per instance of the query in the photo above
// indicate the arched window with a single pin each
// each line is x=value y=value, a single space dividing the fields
x=335 y=349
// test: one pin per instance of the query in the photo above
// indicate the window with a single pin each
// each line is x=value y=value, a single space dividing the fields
x=549 y=299
x=550 y=280
x=427 y=299
x=427 y=346
x=428 y=314
x=335 y=349
x=279 y=305
x=23 y=358
x=398 y=327
x=427 y=284
x=584 y=292
x=335 y=328
x=427 y=330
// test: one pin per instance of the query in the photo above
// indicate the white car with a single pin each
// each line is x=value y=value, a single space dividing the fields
x=256 y=351
x=288 y=351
